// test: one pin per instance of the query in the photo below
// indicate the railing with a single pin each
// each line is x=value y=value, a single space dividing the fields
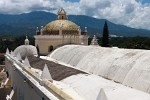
x=3 y=84
x=9 y=97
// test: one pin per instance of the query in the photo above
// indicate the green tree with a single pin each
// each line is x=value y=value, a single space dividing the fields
x=105 y=38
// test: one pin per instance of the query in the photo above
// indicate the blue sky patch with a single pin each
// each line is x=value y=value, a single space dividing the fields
x=145 y=1
x=73 y=0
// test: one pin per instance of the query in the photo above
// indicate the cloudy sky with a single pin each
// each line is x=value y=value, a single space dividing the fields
x=133 y=13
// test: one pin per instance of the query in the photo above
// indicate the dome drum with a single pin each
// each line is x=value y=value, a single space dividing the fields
x=64 y=32
x=51 y=32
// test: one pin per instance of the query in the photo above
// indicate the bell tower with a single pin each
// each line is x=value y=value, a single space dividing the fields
x=62 y=14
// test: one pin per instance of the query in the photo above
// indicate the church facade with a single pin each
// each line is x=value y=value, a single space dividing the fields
x=58 y=33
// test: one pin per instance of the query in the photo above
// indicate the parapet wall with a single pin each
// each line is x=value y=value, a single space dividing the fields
x=27 y=83
x=130 y=67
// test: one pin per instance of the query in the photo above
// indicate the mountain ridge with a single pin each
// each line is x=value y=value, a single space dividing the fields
x=26 y=23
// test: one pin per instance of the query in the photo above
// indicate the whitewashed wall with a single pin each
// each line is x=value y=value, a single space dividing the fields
x=23 y=87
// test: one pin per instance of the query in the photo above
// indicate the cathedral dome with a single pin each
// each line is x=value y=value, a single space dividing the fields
x=64 y=25
x=61 y=23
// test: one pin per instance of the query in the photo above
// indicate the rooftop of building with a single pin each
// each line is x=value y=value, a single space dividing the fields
x=129 y=67
x=58 y=71
x=79 y=81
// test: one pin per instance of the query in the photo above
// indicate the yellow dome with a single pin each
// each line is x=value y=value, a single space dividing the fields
x=61 y=24
x=64 y=25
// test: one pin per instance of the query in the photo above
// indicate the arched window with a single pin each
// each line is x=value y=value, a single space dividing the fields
x=50 y=48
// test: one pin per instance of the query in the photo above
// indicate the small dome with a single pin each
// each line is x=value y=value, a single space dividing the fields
x=25 y=50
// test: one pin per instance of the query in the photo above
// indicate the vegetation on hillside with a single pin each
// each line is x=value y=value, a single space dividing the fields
x=138 y=42
x=26 y=24
x=128 y=42
x=11 y=42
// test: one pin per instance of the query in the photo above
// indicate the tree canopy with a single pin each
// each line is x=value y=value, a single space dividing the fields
x=105 y=38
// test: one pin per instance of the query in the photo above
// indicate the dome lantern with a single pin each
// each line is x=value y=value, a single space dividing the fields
x=62 y=14
x=26 y=41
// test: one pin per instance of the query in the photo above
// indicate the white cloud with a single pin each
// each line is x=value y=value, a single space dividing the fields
x=128 y=12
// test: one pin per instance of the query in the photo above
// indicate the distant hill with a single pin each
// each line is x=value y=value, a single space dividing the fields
x=26 y=24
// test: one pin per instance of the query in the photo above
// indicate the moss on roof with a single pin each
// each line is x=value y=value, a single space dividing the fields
x=57 y=71
x=64 y=24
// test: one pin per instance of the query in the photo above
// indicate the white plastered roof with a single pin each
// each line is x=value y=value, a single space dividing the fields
x=130 y=67
x=25 y=50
